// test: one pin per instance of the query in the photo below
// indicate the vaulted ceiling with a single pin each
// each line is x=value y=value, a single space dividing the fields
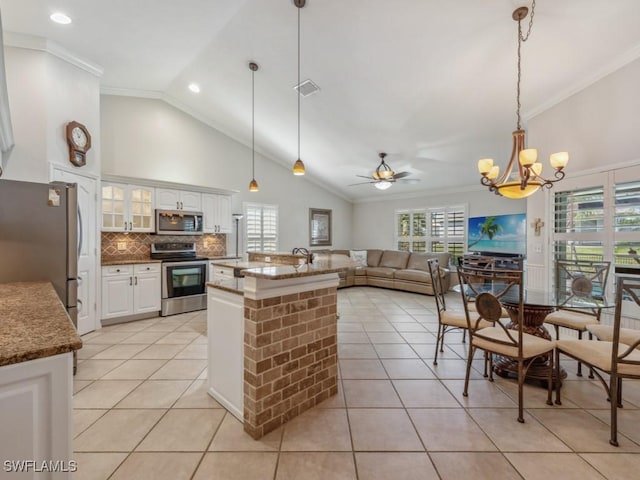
x=431 y=82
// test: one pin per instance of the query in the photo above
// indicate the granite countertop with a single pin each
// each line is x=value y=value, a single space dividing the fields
x=33 y=323
x=242 y=265
x=128 y=261
x=320 y=266
x=235 y=285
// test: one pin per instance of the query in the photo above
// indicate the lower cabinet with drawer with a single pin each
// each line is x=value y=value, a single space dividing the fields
x=130 y=290
x=220 y=272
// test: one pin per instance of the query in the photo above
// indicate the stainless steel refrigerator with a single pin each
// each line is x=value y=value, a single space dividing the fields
x=39 y=237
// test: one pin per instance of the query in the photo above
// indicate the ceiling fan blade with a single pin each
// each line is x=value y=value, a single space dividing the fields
x=362 y=176
x=361 y=183
x=401 y=175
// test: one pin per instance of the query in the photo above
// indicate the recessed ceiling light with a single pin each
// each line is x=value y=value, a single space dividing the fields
x=194 y=87
x=60 y=18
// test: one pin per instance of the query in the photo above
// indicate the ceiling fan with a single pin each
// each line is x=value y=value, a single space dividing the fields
x=384 y=176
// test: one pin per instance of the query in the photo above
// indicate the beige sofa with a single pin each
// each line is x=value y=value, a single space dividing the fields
x=394 y=269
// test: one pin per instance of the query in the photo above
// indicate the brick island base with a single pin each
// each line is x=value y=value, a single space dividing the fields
x=290 y=355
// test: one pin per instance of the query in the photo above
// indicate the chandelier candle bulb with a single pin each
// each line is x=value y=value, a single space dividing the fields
x=536 y=168
x=485 y=165
x=528 y=157
x=559 y=160
x=493 y=173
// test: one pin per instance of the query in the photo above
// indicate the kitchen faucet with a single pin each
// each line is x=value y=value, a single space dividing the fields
x=303 y=251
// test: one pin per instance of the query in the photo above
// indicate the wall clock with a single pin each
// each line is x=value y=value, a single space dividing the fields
x=79 y=141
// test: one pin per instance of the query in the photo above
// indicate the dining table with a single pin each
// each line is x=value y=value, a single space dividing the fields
x=537 y=304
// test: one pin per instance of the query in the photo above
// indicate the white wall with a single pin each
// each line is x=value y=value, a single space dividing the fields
x=147 y=138
x=45 y=93
x=374 y=222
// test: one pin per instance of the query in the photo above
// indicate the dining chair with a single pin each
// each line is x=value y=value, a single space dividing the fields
x=447 y=319
x=483 y=262
x=578 y=278
x=489 y=287
x=614 y=358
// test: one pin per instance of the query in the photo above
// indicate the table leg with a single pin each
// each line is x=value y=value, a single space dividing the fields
x=533 y=324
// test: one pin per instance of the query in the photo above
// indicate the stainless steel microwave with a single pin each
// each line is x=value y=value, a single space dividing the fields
x=178 y=222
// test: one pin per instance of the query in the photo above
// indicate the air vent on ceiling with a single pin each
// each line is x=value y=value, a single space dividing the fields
x=307 y=88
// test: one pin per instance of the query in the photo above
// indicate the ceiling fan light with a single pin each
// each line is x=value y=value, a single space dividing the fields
x=298 y=168
x=382 y=185
x=384 y=173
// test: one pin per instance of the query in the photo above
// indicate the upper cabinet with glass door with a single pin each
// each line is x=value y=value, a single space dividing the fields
x=127 y=208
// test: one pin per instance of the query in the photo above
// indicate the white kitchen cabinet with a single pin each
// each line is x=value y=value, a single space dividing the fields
x=130 y=290
x=127 y=208
x=36 y=415
x=220 y=272
x=168 y=199
x=217 y=213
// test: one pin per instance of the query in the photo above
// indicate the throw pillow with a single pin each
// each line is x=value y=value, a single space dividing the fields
x=359 y=256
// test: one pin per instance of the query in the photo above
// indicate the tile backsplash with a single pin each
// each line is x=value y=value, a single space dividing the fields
x=138 y=245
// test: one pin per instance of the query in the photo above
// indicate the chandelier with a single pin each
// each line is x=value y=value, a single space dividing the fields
x=528 y=178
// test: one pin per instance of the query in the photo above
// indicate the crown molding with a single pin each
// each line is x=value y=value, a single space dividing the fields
x=130 y=92
x=31 y=42
x=616 y=64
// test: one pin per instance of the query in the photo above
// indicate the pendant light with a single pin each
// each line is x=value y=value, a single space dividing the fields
x=527 y=179
x=253 y=185
x=298 y=167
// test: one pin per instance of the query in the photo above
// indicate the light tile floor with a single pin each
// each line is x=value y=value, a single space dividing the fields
x=142 y=410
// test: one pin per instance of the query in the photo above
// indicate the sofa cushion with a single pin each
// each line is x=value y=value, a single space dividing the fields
x=418 y=261
x=373 y=257
x=340 y=252
x=361 y=271
x=442 y=257
x=413 y=275
x=394 y=259
x=359 y=257
x=384 y=272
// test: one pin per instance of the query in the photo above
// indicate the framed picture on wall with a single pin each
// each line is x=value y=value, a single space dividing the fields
x=319 y=227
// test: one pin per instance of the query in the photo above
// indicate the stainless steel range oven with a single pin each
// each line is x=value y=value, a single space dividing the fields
x=184 y=277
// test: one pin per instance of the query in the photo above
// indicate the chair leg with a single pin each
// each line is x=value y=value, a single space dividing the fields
x=464 y=336
x=490 y=367
x=613 y=387
x=472 y=351
x=435 y=357
x=579 y=374
x=486 y=359
x=520 y=388
x=444 y=330
x=558 y=380
x=550 y=379
x=619 y=392
x=591 y=368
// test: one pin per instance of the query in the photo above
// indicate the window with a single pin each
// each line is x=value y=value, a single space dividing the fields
x=262 y=227
x=411 y=230
x=601 y=223
x=447 y=231
x=579 y=224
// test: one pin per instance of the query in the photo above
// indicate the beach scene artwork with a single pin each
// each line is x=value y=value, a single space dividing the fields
x=498 y=234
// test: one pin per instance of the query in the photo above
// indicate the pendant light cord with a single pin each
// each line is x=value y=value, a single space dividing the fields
x=253 y=125
x=298 y=83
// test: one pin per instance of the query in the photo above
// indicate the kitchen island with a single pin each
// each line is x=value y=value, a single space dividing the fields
x=273 y=343
x=37 y=340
